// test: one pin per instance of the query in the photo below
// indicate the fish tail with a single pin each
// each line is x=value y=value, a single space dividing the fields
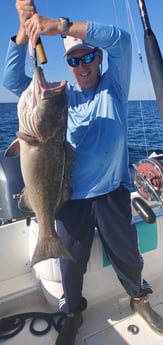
x=49 y=248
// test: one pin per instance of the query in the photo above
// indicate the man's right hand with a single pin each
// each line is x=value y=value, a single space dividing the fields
x=25 y=9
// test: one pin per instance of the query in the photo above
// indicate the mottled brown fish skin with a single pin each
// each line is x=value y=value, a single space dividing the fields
x=46 y=160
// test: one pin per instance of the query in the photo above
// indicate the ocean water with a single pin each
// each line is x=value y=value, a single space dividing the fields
x=145 y=129
x=8 y=124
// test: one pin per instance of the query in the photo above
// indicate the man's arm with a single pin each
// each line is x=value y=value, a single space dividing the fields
x=14 y=77
x=115 y=41
x=25 y=9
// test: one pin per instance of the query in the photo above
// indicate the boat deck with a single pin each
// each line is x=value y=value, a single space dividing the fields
x=108 y=315
x=105 y=323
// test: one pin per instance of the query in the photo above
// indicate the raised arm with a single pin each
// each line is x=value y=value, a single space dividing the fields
x=115 y=41
x=14 y=77
x=32 y=25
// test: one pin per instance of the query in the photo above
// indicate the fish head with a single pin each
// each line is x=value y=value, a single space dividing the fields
x=42 y=108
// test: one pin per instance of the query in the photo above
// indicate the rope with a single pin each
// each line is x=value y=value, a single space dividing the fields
x=131 y=21
x=12 y=325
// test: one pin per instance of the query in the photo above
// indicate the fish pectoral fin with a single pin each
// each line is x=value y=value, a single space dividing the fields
x=49 y=248
x=29 y=139
x=24 y=203
x=13 y=149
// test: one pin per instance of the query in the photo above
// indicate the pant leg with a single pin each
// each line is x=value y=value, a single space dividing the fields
x=76 y=230
x=119 y=236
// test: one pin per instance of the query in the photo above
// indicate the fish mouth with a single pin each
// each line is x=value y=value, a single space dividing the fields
x=48 y=89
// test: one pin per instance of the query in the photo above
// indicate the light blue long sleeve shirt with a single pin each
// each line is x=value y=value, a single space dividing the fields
x=97 y=118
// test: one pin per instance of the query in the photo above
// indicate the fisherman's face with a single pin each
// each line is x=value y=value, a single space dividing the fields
x=87 y=75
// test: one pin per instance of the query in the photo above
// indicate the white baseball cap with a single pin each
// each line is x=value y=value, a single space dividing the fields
x=73 y=43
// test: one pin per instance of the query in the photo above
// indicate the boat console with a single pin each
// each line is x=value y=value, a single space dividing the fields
x=11 y=185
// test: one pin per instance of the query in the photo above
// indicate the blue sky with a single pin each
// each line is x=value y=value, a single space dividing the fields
x=106 y=11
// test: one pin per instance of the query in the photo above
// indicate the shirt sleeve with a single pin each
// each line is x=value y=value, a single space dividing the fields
x=14 y=77
x=117 y=44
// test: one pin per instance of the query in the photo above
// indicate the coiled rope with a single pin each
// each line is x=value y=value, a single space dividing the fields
x=12 y=325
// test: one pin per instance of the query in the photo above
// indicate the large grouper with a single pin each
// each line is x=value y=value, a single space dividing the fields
x=46 y=159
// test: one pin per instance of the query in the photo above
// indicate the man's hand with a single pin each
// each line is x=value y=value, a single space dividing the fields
x=38 y=25
x=25 y=9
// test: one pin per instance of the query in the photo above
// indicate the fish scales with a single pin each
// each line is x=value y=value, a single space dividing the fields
x=46 y=160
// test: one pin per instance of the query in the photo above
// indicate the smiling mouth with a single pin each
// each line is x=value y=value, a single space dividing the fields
x=83 y=75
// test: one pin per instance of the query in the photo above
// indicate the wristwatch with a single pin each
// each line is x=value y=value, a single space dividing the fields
x=65 y=25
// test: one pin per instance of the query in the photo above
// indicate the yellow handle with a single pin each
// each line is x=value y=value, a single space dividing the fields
x=41 y=52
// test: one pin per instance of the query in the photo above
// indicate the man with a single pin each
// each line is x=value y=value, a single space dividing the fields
x=97 y=129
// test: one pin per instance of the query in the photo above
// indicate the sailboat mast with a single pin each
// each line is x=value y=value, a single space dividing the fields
x=154 y=57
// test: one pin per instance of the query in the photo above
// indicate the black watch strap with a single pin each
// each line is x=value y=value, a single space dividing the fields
x=65 y=25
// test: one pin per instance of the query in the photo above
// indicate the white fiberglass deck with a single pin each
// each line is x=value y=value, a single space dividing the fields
x=108 y=315
x=105 y=323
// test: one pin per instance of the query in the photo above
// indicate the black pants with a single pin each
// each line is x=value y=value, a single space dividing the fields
x=76 y=222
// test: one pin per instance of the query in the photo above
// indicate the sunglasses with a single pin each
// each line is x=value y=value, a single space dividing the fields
x=86 y=59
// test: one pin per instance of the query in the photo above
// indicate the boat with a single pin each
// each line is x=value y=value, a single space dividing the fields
x=29 y=295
